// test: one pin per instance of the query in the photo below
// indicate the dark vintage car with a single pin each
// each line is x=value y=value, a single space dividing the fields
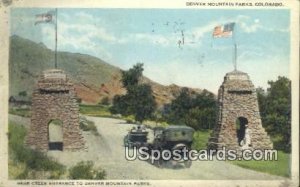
x=136 y=137
x=171 y=138
x=174 y=137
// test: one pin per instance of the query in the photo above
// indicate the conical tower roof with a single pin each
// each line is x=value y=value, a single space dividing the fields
x=237 y=81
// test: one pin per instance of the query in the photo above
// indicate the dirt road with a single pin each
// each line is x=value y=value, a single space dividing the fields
x=107 y=151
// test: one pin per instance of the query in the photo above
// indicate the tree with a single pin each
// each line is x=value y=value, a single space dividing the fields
x=132 y=76
x=105 y=101
x=261 y=97
x=138 y=100
x=275 y=108
x=196 y=110
x=143 y=103
x=179 y=107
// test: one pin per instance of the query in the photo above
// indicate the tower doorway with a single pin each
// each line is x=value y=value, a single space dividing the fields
x=55 y=135
x=240 y=123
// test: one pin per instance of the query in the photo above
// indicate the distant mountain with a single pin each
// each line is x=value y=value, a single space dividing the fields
x=94 y=79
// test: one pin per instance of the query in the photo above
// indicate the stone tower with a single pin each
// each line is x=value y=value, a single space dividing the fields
x=54 y=98
x=238 y=110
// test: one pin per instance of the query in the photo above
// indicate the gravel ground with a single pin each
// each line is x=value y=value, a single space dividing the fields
x=107 y=152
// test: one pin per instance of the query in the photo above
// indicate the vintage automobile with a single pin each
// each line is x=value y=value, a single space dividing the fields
x=174 y=137
x=171 y=138
x=136 y=137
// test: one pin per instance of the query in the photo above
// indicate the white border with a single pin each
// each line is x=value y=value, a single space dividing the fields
x=292 y=5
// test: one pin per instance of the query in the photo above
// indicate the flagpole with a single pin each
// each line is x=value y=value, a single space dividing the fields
x=56 y=38
x=235 y=55
x=235 y=52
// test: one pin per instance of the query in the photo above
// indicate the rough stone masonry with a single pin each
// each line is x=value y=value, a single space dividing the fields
x=54 y=98
x=238 y=103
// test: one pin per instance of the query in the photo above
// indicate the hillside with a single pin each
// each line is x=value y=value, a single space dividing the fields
x=93 y=78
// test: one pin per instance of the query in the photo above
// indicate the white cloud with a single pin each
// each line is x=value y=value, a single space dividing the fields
x=199 y=32
x=94 y=27
x=250 y=54
x=250 y=25
x=192 y=37
x=187 y=73
x=154 y=39
x=86 y=25
x=87 y=33
x=86 y=30
x=260 y=71
x=83 y=42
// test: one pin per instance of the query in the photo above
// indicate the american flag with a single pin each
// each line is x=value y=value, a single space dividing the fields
x=45 y=18
x=223 y=30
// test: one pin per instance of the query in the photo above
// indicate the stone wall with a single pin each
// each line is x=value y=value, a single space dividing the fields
x=237 y=99
x=54 y=98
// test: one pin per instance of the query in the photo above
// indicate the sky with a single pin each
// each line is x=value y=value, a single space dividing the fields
x=124 y=37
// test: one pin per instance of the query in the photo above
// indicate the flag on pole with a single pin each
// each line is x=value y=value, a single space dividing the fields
x=48 y=17
x=221 y=31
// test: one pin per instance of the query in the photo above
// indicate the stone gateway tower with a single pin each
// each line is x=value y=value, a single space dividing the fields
x=239 y=124
x=54 y=106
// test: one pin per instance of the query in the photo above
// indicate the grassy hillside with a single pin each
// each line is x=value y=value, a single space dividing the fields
x=29 y=59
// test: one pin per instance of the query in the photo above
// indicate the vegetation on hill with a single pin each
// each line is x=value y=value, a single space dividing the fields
x=95 y=110
x=86 y=170
x=138 y=100
x=24 y=112
x=28 y=59
x=25 y=163
x=275 y=109
x=193 y=109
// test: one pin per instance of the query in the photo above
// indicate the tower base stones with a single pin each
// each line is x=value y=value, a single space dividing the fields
x=54 y=99
x=239 y=124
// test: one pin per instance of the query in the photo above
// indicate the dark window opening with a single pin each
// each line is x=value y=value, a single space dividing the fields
x=55 y=135
x=54 y=91
x=241 y=123
x=56 y=146
x=240 y=91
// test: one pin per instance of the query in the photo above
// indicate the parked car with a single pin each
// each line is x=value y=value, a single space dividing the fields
x=136 y=137
x=173 y=138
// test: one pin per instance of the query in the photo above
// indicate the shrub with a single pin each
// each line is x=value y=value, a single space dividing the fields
x=105 y=101
x=24 y=112
x=95 y=110
x=34 y=161
x=130 y=119
x=23 y=93
x=87 y=125
x=200 y=139
x=85 y=170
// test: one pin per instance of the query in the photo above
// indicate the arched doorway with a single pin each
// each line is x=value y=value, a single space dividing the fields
x=55 y=135
x=240 y=123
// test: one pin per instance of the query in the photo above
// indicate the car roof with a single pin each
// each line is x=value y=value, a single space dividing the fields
x=179 y=127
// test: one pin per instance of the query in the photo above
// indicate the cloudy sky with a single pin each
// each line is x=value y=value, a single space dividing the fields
x=123 y=37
